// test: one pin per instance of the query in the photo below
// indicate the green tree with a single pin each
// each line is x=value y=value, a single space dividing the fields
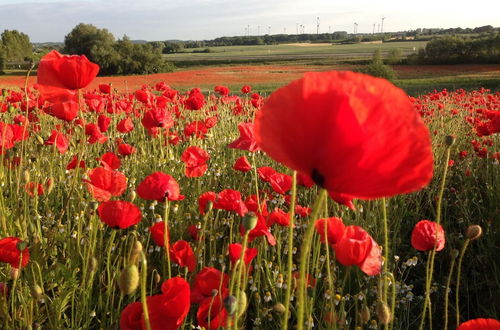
x=377 y=68
x=16 y=46
x=83 y=39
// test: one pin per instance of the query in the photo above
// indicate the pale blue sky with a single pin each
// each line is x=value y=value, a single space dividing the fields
x=51 y=20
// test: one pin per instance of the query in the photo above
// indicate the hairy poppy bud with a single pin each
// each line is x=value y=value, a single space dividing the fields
x=11 y=108
x=49 y=184
x=39 y=139
x=230 y=304
x=4 y=92
x=209 y=206
x=129 y=279
x=364 y=315
x=250 y=221
x=242 y=304
x=157 y=278
x=132 y=195
x=27 y=176
x=93 y=264
x=474 y=232
x=383 y=313
x=14 y=273
x=279 y=308
x=454 y=253
x=37 y=292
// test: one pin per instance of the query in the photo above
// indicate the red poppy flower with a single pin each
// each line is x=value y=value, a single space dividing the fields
x=111 y=160
x=193 y=231
x=246 y=141
x=167 y=310
x=125 y=125
x=125 y=149
x=341 y=198
x=182 y=254
x=203 y=200
x=211 y=313
x=195 y=160
x=480 y=324
x=103 y=122
x=311 y=281
x=119 y=214
x=33 y=188
x=59 y=140
x=235 y=253
x=105 y=88
x=158 y=186
x=352 y=133
x=246 y=89
x=252 y=204
x=157 y=117
x=278 y=216
x=281 y=183
x=357 y=247
x=95 y=134
x=242 y=164
x=302 y=211
x=265 y=173
x=197 y=128
x=230 y=200
x=206 y=281
x=195 y=101
x=104 y=183
x=304 y=180
x=74 y=163
x=221 y=90
x=57 y=72
x=10 y=252
x=158 y=233
x=211 y=122
x=334 y=229
x=63 y=108
x=426 y=235
x=6 y=137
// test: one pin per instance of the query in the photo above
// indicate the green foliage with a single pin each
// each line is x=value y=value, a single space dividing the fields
x=455 y=50
x=2 y=62
x=395 y=56
x=15 y=46
x=116 y=57
x=377 y=68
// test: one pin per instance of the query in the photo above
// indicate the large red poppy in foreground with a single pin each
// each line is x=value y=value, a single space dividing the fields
x=352 y=133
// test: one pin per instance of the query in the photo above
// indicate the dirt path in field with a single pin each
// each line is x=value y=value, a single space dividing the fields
x=258 y=74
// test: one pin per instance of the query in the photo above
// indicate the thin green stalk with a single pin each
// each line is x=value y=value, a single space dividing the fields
x=459 y=273
x=288 y=292
x=241 y=264
x=304 y=255
x=165 y=237
x=143 y=290
x=447 y=292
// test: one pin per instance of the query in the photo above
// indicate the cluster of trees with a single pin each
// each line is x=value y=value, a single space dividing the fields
x=15 y=47
x=116 y=56
x=456 y=50
x=452 y=31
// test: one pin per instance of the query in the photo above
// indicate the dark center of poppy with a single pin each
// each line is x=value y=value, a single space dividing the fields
x=317 y=177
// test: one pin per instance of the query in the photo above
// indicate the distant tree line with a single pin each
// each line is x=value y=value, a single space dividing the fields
x=458 y=50
x=115 y=56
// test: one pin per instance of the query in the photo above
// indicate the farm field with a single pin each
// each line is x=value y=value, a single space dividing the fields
x=266 y=78
x=203 y=198
x=295 y=51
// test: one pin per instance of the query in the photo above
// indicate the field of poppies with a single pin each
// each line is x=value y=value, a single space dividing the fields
x=337 y=202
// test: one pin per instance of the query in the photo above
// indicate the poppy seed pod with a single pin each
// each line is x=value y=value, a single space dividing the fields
x=474 y=232
x=129 y=279
x=250 y=221
x=230 y=304
x=449 y=140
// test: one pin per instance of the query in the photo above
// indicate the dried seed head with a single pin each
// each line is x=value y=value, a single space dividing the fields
x=129 y=279
x=474 y=232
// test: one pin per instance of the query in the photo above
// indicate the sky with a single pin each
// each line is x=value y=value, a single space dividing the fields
x=51 y=20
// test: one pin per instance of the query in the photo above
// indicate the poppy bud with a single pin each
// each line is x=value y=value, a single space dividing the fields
x=454 y=253
x=364 y=315
x=132 y=195
x=242 y=304
x=21 y=245
x=157 y=278
x=92 y=264
x=11 y=108
x=129 y=279
x=14 y=273
x=39 y=139
x=49 y=185
x=449 y=140
x=383 y=313
x=136 y=251
x=230 y=304
x=250 y=221
x=4 y=92
x=279 y=308
x=474 y=232
x=27 y=176
x=37 y=292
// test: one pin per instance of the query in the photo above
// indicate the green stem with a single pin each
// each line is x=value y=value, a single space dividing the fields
x=459 y=273
x=447 y=292
x=288 y=292
x=304 y=254
x=238 y=271
x=166 y=238
x=143 y=291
